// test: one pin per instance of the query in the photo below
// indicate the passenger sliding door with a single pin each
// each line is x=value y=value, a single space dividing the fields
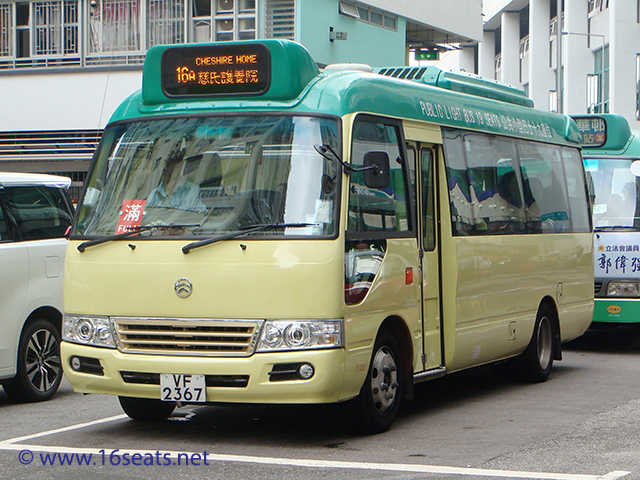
x=424 y=156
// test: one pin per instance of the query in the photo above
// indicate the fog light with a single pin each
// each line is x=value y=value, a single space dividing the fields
x=306 y=371
x=86 y=365
x=76 y=364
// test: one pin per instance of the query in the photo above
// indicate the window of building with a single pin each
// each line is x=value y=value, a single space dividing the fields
x=234 y=20
x=349 y=9
x=597 y=6
x=638 y=86
x=201 y=21
x=165 y=22
x=40 y=28
x=524 y=60
x=114 y=26
x=367 y=14
x=5 y=23
x=593 y=92
x=553 y=46
x=22 y=30
x=55 y=27
x=280 y=19
x=601 y=69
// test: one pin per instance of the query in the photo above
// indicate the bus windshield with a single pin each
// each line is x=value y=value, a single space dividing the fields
x=614 y=191
x=203 y=176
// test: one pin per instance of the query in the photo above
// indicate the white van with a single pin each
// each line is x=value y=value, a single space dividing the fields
x=35 y=213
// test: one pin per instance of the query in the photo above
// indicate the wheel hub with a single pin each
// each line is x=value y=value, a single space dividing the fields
x=384 y=380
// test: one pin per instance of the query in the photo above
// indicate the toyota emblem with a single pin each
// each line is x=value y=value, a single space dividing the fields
x=183 y=287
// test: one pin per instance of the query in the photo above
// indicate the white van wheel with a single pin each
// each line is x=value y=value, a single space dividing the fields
x=39 y=371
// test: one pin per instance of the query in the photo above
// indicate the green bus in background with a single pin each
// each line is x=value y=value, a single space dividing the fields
x=611 y=152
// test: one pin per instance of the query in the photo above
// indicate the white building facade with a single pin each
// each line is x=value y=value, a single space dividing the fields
x=66 y=64
x=599 y=53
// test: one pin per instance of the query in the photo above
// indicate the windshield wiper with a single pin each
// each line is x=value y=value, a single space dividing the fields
x=143 y=228
x=609 y=228
x=241 y=232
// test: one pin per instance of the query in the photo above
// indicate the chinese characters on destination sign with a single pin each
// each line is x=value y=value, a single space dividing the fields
x=617 y=260
x=216 y=70
x=238 y=70
x=592 y=130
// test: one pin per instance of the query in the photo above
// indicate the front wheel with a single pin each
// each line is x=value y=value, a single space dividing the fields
x=377 y=404
x=536 y=361
x=146 y=409
x=39 y=371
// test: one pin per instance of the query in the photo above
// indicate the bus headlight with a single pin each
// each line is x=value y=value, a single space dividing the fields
x=623 y=289
x=279 y=335
x=86 y=330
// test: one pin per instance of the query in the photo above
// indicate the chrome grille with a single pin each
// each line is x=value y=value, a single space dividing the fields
x=194 y=337
x=597 y=288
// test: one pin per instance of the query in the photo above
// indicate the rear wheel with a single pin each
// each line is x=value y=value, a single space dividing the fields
x=39 y=371
x=377 y=405
x=146 y=409
x=536 y=361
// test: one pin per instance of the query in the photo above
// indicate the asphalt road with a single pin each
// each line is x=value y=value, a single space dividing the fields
x=584 y=423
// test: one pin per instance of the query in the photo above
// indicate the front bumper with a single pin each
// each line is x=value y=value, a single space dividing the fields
x=616 y=310
x=323 y=387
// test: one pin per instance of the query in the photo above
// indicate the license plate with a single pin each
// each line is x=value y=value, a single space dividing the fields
x=182 y=388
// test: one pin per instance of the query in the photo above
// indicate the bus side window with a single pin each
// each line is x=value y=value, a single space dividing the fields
x=577 y=190
x=377 y=209
x=484 y=184
x=428 y=199
x=375 y=214
x=542 y=168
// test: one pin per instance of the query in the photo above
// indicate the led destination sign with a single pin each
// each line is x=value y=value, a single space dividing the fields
x=216 y=70
x=593 y=131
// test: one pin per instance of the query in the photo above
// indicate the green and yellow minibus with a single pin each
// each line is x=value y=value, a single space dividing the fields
x=611 y=152
x=257 y=230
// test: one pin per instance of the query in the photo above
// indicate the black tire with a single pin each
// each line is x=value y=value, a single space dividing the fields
x=376 y=407
x=146 y=409
x=536 y=361
x=39 y=370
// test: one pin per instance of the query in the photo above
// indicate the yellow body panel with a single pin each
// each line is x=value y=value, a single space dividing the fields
x=501 y=281
x=422 y=132
x=267 y=279
x=389 y=297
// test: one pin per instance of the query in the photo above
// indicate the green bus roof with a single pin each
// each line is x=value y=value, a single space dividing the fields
x=460 y=82
x=281 y=76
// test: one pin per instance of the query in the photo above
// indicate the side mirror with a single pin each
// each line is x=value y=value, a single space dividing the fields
x=91 y=197
x=378 y=177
